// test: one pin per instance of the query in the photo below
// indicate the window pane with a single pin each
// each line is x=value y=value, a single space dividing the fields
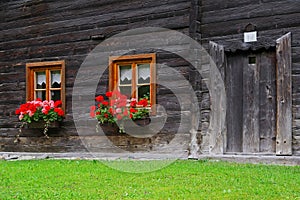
x=40 y=80
x=55 y=79
x=41 y=95
x=144 y=91
x=143 y=73
x=55 y=95
x=125 y=74
x=126 y=90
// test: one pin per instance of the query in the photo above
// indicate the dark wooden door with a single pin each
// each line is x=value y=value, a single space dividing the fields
x=250 y=79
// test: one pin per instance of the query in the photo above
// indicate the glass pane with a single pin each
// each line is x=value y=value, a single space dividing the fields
x=55 y=95
x=143 y=73
x=126 y=90
x=144 y=91
x=41 y=95
x=125 y=74
x=55 y=79
x=40 y=80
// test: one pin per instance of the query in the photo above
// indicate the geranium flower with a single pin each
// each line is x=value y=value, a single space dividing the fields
x=99 y=98
x=125 y=113
x=92 y=111
x=119 y=117
x=108 y=94
x=133 y=102
x=57 y=103
x=118 y=110
x=59 y=111
x=132 y=110
x=17 y=112
x=143 y=102
x=21 y=117
x=51 y=102
x=105 y=103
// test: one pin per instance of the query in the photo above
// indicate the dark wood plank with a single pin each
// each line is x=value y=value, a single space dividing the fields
x=250 y=106
x=234 y=90
x=267 y=94
x=284 y=96
x=252 y=10
x=237 y=26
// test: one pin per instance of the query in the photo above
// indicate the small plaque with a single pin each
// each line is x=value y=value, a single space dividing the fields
x=250 y=36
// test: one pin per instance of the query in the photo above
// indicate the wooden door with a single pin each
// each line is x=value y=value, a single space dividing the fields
x=250 y=79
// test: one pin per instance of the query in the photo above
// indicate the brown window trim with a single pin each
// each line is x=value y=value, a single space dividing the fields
x=44 y=66
x=114 y=61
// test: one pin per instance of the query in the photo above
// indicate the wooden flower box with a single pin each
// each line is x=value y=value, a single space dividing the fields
x=41 y=125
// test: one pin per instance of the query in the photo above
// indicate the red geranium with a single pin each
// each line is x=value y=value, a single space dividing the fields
x=143 y=102
x=105 y=103
x=108 y=94
x=99 y=98
x=118 y=108
x=38 y=110
x=57 y=103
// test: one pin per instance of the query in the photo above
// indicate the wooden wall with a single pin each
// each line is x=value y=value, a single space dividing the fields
x=225 y=20
x=46 y=30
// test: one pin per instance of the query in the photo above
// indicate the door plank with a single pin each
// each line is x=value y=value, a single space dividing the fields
x=267 y=93
x=284 y=96
x=250 y=107
x=234 y=87
x=218 y=110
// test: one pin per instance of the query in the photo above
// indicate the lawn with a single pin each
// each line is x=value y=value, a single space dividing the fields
x=81 y=179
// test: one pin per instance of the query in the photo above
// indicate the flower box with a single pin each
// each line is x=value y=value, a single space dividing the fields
x=142 y=122
x=113 y=129
x=41 y=124
x=40 y=115
x=109 y=129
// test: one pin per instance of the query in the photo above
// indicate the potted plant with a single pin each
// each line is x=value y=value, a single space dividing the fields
x=41 y=113
x=115 y=109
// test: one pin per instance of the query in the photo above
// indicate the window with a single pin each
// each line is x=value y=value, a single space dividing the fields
x=252 y=60
x=46 y=80
x=134 y=76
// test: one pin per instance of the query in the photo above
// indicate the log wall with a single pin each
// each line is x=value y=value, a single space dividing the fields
x=43 y=30
x=47 y=30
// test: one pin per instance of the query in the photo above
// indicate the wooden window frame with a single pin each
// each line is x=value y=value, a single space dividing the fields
x=133 y=60
x=48 y=66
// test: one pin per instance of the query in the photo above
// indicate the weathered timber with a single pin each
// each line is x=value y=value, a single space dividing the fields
x=284 y=96
x=218 y=100
x=250 y=105
x=267 y=101
x=234 y=90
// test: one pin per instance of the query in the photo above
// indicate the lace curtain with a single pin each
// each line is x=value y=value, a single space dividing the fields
x=143 y=72
x=55 y=77
x=125 y=73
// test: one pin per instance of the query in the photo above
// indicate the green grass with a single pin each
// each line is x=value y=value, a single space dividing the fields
x=79 y=179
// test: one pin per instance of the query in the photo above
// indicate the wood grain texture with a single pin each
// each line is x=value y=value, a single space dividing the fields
x=284 y=96
x=218 y=101
x=250 y=106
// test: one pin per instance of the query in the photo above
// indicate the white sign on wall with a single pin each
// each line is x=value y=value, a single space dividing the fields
x=250 y=36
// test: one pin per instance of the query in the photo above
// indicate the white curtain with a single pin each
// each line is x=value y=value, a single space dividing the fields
x=40 y=78
x=55 y=77
x=143 y=71
x=125 y=73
